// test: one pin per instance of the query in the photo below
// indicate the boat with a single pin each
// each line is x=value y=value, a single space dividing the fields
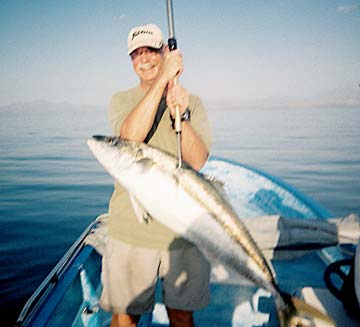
x=69 y=295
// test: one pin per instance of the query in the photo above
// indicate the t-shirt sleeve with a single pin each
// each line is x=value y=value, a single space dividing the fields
x=119 y=108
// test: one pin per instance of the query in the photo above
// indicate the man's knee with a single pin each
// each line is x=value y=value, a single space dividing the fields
x=180 y=318
x=124 y=320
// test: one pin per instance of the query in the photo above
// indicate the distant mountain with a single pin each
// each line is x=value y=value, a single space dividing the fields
x=342 y=98
x=47 y=105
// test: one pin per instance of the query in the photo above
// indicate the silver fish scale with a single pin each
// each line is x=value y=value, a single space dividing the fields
x=225 y=216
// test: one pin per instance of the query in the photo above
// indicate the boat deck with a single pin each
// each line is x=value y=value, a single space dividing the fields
x=232 y=304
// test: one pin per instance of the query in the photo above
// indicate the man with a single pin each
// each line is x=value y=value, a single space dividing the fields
x=138 y=253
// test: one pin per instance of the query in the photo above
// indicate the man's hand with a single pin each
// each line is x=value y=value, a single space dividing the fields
x=176 y=96
x=172 y=65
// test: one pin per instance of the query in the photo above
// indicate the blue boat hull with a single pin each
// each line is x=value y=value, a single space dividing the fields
x=69 y=296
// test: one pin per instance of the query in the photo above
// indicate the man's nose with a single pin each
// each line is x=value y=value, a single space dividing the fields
x=144 y=55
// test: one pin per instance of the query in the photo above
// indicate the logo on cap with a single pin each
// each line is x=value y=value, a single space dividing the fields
x=136 y=33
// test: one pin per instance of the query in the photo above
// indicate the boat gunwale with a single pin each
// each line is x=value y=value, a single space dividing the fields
x=49 y=283
x=317 y=209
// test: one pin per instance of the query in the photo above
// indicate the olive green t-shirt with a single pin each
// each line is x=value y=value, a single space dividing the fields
x=123 y=224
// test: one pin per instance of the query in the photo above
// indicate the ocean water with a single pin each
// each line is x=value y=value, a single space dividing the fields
x=51 y=187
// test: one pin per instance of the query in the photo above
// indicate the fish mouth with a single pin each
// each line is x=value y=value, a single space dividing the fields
x=116 y=141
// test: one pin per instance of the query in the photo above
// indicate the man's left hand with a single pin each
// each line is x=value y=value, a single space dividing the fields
x=177 y=96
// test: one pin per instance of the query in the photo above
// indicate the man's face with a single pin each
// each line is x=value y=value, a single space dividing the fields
x=146 y=62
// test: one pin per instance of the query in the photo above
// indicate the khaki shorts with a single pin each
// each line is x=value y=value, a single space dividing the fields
x=129 y=276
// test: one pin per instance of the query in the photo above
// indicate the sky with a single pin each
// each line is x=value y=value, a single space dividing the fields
x=234 y=51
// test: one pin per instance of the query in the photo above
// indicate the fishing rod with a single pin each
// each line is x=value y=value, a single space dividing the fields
x=172 y=46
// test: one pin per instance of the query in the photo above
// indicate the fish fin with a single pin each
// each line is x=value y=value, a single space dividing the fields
x=300 y=314
x=218 y=184
x=215 y=181
x=141 y=214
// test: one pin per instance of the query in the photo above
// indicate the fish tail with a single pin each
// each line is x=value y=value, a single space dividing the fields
x=297 y=313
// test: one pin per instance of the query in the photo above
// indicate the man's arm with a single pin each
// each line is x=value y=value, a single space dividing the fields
x=193 y=149
x=139 y=121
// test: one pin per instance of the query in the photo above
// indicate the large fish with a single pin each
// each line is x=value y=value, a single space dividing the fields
x=193 y=207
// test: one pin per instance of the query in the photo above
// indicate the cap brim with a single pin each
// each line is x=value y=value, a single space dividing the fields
x=154 y=45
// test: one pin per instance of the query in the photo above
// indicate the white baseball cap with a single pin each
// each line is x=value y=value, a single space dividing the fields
x=145 y=36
